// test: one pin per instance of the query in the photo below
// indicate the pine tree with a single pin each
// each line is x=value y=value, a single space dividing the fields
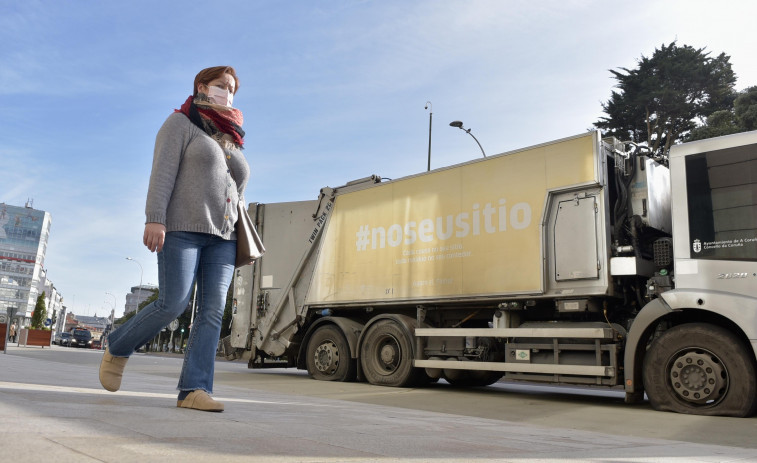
x=741 y=118
x=40 y=313
x=660 y=102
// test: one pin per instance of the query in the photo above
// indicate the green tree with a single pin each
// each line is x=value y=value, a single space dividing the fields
x=40 y=313
x=745 y=108
x=660 y=101
x=719 y=123
x=740 y=118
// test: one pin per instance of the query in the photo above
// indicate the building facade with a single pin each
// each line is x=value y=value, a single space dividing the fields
x=24 y=233
x=53 y=299
x=138 y=295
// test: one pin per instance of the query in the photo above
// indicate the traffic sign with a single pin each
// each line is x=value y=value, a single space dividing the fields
x=173 y=325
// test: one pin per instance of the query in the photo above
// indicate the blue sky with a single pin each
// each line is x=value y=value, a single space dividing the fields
x=331 y=91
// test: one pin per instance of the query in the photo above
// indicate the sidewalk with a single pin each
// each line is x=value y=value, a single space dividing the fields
x=72 y=419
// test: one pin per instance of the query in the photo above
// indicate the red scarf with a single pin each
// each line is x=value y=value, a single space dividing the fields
x=214 y=118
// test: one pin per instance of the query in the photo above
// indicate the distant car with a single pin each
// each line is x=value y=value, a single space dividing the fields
x=96 y=344
x=62 y=339
x=81 y=338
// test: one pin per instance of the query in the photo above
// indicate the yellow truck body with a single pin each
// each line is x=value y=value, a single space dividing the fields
x=468 y=230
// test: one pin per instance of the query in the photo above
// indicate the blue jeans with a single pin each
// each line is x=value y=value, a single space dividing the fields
x=185 y=255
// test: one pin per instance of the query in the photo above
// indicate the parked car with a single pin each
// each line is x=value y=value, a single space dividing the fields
x=62 y=339
x=81 y=338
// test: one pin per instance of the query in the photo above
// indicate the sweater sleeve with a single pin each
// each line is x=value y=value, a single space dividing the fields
x=170 y=144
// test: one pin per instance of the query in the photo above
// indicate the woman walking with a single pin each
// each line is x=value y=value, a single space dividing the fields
x=198 y=176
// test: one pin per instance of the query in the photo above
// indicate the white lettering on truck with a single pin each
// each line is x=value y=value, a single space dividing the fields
x=487 y=220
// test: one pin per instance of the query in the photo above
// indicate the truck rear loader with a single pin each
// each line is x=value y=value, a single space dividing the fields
x=579 y=261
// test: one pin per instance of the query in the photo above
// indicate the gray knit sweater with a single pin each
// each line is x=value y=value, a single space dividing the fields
x=191 y=187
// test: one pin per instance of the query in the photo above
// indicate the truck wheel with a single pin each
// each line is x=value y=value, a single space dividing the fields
x=387 y=357
x=700 y=369
x=328 y=355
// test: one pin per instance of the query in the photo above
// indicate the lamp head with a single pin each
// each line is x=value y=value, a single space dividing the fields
x=458 y=124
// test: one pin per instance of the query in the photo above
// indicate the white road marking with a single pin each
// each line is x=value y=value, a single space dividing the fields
x=83 y=390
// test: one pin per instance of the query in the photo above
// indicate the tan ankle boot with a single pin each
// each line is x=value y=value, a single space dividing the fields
x=111 y=371
x=200 y=400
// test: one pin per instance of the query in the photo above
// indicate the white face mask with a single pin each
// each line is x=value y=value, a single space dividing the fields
x=220 y=96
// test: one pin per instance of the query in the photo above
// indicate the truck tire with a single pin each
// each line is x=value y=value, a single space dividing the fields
x=386 y=356
x=700 y=369
x=328 y=355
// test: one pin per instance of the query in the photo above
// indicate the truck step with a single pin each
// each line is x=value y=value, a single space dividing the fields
x=574 y=333
x=581 y=370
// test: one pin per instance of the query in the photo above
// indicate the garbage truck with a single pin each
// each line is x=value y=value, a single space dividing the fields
x=584 y=261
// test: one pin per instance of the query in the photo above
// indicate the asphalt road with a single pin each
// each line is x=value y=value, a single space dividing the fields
x=559 y=407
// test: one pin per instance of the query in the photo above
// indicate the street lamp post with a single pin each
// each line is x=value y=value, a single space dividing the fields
x=114 y=299
x=459 y=125
x=139 y=290
x=113 y=313
x=430 y=118
x=112 y=320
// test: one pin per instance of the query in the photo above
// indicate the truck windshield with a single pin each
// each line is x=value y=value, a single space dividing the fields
x=722 y=196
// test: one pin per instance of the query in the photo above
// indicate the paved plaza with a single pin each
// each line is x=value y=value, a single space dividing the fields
x=57 y=412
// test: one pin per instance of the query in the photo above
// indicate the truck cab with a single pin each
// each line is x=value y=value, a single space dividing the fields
x=702 y=333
